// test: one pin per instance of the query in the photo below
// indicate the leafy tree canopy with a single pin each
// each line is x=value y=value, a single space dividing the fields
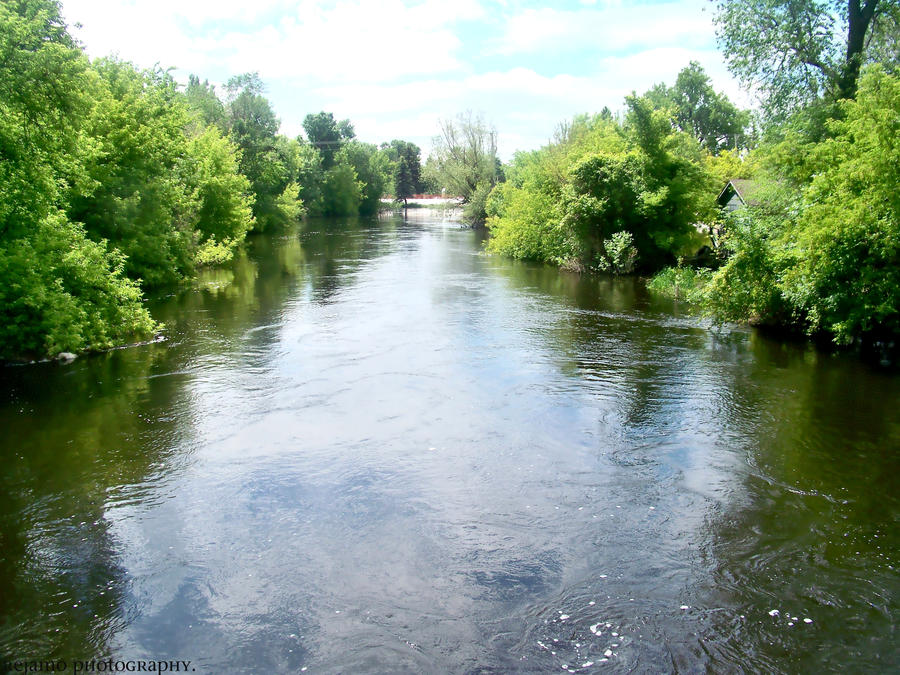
x=821 y=249
x=467 y=162
x=202 y=99
x=699 y=110
x=605 y=195
x=793 y=52
x=59 y=291
x=407 y=168
x=327 y=135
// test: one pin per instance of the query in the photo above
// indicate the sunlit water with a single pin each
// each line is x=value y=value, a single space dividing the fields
x=369 y=447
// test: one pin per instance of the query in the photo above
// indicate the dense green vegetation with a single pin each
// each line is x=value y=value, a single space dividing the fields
x=817 y=248
x=607 y=195
x=115 y=180
x=820 y=251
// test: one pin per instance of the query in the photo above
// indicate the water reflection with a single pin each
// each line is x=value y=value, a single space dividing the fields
x=368 y=446
x=69 y=451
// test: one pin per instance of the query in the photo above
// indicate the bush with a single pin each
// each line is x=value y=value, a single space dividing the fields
x=747 y=288
x=621 y=254
x=821 y=252
x=224 y=216
x=475 y=210
x=60 y=291
x=681 y=283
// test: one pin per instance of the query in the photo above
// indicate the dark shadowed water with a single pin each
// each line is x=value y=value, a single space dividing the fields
x=369 y=447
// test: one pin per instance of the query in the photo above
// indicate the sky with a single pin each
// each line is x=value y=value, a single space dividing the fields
x=395 y=68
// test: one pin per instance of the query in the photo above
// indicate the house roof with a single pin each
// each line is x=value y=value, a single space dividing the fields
x=744 y=188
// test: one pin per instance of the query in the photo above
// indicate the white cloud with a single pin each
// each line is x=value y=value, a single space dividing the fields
x=350 y=43
x=614 y=27
x=394 y=67
x=305 y=40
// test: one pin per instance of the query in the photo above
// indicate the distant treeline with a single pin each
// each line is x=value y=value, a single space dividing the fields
x=114 y=180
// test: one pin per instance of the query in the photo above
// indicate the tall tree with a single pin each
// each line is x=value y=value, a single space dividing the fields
x=407 y=168
x=327 y=135
x=794 y=51
x=265 y=159
x=466 y=156
x=58 y=289
x=372 y=171
x=705 y=113
x=134 y=193
x=202 y=99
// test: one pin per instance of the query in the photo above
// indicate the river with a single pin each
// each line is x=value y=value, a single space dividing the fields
x=368 y=447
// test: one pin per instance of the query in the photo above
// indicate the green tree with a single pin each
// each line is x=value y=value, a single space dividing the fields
x=795 y=51
x=59 y=291
x=466 y=156
x=343 y=192
x=225 y=201
x=407 y=168
x=605 y=196
x=845 y=278
x=310 y=176
x=202 y=99
x=43 y=103
x=327 y=135
x=135 y=194
x=267 y=159
x=372 y=167
x=823 y=254
x=700 y=111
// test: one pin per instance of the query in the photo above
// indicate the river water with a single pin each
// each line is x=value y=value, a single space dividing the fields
x=369 y=447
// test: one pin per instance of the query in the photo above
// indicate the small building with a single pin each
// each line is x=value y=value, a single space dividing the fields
x=737 y=193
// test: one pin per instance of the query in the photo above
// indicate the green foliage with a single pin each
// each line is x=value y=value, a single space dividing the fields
x=746 y=288
x=372 y=167
x=526 y=224
x=621 y=254
x=212 y=252
x=134 y=192
x=466 y=160
x=681 y=283
x=475 y=209
x=431 y=178
x=43 y=78
x=225 y=215
x=796 y=51
x=822 y=251
x=729 y=164
x=343 y=192
x=266 y=158
x=289 y=203
x=406 y=168
x=327 y=135
x=205 y=104
x=310 y=177
x=605 y=196
x=697 y=109
x=846 y=279
x=59 y=291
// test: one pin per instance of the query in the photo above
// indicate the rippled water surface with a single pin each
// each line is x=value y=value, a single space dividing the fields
x=368 y=447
